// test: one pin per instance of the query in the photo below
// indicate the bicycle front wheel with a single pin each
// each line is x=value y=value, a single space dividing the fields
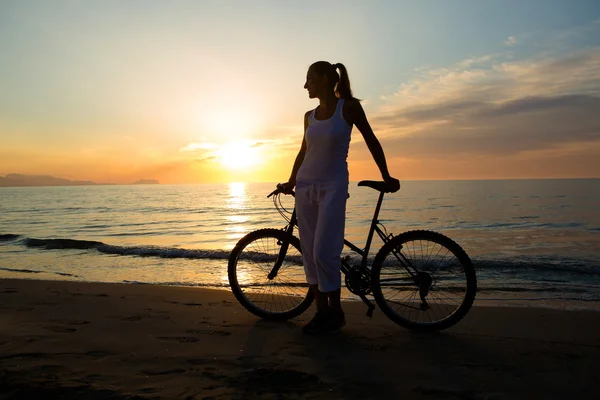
x=423 y=280
x=282 y=297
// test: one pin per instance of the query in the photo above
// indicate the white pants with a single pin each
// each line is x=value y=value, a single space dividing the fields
x=321 y=213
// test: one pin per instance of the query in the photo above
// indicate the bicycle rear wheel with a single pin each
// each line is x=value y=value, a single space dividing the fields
x=423 y=280
x=285 y=296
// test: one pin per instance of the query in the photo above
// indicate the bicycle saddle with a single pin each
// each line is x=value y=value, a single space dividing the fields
x=377 y=185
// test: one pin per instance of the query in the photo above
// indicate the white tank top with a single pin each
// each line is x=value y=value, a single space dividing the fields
x=327 y=144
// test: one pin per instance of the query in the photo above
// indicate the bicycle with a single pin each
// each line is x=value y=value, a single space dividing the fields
x=432 y=275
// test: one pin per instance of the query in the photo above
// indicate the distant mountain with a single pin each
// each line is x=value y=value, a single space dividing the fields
x=39 y=180
x=146 y=182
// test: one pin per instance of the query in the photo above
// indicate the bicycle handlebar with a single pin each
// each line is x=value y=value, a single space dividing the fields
x=380 y=186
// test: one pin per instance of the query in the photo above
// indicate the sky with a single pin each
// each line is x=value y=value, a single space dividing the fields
x=212 y=91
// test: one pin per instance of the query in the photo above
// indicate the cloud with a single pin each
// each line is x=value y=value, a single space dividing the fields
x=261 y=143
x=205 y=158
x=470 y=62
x=495 y=106
x=540 y=104
x=199 y=146
x=511 y=41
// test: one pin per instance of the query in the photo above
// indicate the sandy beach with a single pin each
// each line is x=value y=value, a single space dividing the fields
x=67 y=340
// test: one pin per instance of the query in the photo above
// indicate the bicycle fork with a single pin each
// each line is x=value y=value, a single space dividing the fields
x=285 y=245
x=282 y=252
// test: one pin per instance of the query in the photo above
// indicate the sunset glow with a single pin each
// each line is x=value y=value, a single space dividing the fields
x=190 y=92
x=238 y=155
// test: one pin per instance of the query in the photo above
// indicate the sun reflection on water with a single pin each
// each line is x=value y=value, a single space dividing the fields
x=236 y=202
x=236 y=231
x=237 y=219
x=237 y=196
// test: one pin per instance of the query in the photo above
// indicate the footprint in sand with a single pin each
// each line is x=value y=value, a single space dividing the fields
x=147 y=390
x=51 y=368
x=185 y=304
x=24 y=356
x=98 y=353
x=45 y=303
x=156 y=372
x=70 y=322
x=178 y=339
x=33 y=339
x=135 y=318
x=223 y=303
x=208 y=332
x=444 y=393
x=60 y=329
x=199 y=361
x=279 y=379
x=132 y=319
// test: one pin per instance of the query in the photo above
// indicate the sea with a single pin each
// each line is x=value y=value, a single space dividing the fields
x=534 y=243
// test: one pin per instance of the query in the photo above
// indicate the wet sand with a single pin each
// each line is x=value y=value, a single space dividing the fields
x=71 y=340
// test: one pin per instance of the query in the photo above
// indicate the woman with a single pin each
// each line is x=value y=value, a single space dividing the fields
x=320 y=175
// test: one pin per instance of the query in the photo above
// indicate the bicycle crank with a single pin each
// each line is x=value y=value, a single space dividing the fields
x=358 y=281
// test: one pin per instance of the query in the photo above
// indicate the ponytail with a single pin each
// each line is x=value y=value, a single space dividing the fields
x=343 y=89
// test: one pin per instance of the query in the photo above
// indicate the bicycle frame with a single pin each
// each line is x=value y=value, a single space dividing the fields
x=364 y=253
x=345 y=268
x=372 y=229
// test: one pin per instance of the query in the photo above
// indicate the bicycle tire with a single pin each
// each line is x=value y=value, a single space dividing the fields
x=284 y=297
x=418 y=317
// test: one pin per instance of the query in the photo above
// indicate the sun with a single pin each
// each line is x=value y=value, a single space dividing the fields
x=239 y=155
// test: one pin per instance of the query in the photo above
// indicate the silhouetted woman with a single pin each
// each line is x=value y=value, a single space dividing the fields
x=320 y=175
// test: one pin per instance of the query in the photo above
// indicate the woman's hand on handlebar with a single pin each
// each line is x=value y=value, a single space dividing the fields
x=393 y=184
x=286 y=188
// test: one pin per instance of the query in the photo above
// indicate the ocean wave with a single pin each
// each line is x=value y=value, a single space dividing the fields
x=33 y=271
x=537 y=266
x=57 y=244
x=163 y=252
x=562 y=225
x=8 y=237
x=25 y=271
x=141 y=251
x=534 y=266
x=520 y=223
x=521 y=289
x=182 y=283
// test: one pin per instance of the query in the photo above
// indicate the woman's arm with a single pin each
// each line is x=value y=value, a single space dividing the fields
x=355 y=114
x=299 y=158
